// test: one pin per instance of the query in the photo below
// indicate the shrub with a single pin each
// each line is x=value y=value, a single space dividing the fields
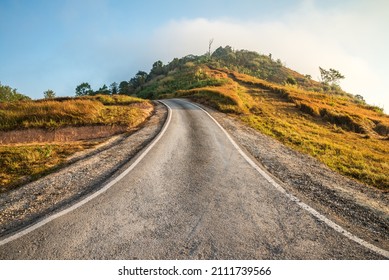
x=291 y=81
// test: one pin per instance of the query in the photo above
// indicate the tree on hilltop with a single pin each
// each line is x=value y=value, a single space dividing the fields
x=103 y=90
x=10 y=94
x=139 y=79
x=124 y=87
x=158 y=68
x=114 y=88
x=209 y=47
x=331 y=76
x=83 y=89
x=49 y=94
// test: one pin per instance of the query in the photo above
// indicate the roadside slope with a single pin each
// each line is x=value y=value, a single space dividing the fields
x=85 y=174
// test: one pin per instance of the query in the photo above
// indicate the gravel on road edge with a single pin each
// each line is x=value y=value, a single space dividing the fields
x=85 y=172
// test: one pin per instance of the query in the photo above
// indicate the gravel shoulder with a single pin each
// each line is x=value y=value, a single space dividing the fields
x=360 y=209
x=84 y=173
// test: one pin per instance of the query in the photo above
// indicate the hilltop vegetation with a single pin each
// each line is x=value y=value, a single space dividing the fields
x=317 y=118
x=10 y=94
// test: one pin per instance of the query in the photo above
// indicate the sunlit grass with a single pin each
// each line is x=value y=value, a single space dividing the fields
x=77 y=112
x=352 y=154
x=19 y=163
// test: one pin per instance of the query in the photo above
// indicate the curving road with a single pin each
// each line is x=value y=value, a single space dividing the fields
x=193 y=196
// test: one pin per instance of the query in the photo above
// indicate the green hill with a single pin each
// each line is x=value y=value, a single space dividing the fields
x=317 y=118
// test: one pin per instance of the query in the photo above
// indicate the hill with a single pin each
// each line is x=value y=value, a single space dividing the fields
x=317 y=118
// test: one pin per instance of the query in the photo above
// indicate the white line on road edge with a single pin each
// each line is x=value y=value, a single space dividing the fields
x=95 y=194
x=319 y=216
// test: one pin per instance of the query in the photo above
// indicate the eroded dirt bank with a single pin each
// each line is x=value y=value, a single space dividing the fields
x=65 y=134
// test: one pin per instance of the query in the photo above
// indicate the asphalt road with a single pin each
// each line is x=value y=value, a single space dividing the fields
x=193 y=196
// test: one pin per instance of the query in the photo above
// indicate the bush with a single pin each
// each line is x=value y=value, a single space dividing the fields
x=291 y=81
x=9 y=94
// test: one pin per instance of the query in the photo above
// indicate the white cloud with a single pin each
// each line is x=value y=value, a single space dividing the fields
x=304 y=39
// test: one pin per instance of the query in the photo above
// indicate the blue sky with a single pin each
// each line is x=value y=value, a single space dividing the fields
x=59 y=44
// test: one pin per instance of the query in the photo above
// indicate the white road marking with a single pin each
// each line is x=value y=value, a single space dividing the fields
x=95 y=194
x=308 y=208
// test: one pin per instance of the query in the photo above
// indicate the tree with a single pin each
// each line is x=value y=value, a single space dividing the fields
x=331 y=76
x=84 y=89
x=174 y=64
x=225 y=53
x=49 y=94
x=124 y=87
x=9 y=94
x=114 y=88
x=103 y=90
x=139 y=79
x=209 y=47
x=157 y=69
x=360 y=98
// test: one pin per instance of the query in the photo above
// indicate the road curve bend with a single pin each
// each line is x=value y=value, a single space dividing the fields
x=191 y=195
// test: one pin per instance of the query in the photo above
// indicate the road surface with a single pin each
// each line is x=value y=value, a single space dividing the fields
x=193 y=196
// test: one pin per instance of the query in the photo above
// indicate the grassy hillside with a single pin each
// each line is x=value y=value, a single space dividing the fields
x=338 y=129
x=23 y=162
x=54 y=113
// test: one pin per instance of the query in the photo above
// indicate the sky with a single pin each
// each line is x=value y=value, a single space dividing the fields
x=59 y=44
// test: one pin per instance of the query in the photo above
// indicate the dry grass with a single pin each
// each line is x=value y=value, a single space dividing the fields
x=20 y=163
x=333 y=129
x=23 y=163
x=69 y=112
x=339 y=110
